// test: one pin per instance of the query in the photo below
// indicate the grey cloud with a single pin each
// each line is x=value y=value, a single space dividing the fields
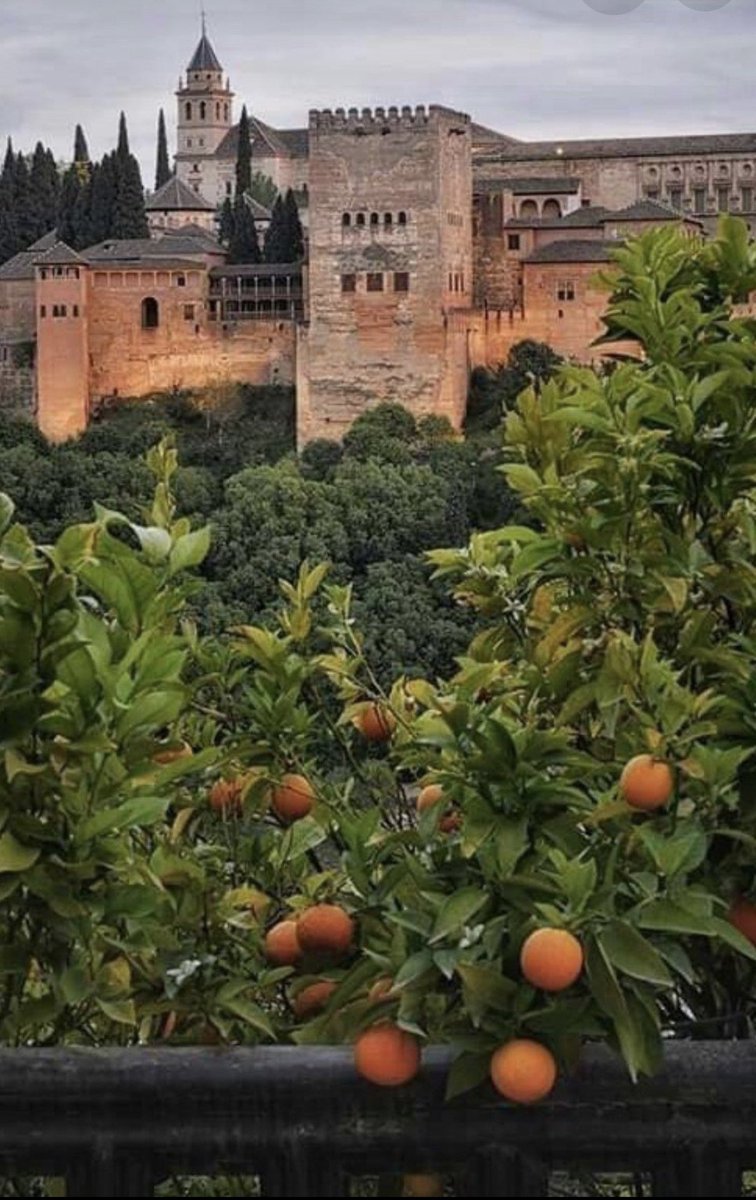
x=534 y=68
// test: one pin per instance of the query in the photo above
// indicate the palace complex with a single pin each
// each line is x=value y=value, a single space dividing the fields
x=434 y=244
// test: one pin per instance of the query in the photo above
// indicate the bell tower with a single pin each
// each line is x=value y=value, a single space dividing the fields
x=205 y=116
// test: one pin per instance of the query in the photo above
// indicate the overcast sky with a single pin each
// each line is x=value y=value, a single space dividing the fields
x=532 y=68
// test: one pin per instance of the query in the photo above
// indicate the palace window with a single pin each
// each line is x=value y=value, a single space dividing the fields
x=699 y=200
x=374 y=220
x=225 y=112
x=43 y=311
x=188 y=112
x=150 y=313
x=229 y=188
x=565 y=290
x=746 y=199
x=402 y=218
x=401 y=281
x=652 y=193
x=360 y=219
x=189 y=143
x=388 y=219
x=59 y=310
x=529 y=209
x=348 y=284
x=552 y=210
x=375 y=281
x=76 y=310
x=203 y=110
x=188 y=312
x=723 y=199
x=675 y=197
x=217 y=112
x=513 y=241
x=181 y=281
x=346 y=220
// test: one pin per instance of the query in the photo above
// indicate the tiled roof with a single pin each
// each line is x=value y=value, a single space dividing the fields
x=530 y=185
x=178 y=244
x=574 y=251
x=58 y=255
x=648 y=210
x=482 y=135
x=296 y=140
x=176 y=196
x=21 y=266
x=205 y=58
x=265 y=141
x=637 y=147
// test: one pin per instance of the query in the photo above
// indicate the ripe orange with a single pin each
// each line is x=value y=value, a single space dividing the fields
x=313 y=999
x=386 y=1055
x=172 y=754
x=523 y=1071
x=226 y=795
x=551 y=959
x=742 y=915
x=380 y=989
x=292 y=799
x=377 y=723
x=647 y=783
x=325 y=929
x=423 y=1185
x=429 y=797
x=282 y=946
x=432 y=796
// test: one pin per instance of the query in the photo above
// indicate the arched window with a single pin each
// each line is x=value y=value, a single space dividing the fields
x=217 y=111
x=402 y=218
x=374 y=218
x=346 y=219
x=388 y=219
x=552 y=209
x=150 y=313
x=225 y=112
x=188 y=111
x=528 y=209
x=360 y=218
x=203 y=110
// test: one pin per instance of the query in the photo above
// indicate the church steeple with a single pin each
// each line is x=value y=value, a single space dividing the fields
x=205 y=58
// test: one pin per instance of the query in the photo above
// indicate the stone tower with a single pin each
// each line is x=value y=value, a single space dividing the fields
x=205 y=116
x=390 y=266
x=61 y=294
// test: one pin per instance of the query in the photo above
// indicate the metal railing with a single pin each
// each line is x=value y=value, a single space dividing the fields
x=117 y=1122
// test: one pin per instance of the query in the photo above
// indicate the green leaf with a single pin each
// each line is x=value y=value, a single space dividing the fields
x=467 y=1072
x=152 y=711
x=414 y=968
x=457 y=911
x=668 y=917
x=123 y=1012
x=14 y=857
x=190 y=550
x=628 y=951
x=250 y=1014
x=733 y=937
x=134 y=814
x=487 y=986
x=7 y=509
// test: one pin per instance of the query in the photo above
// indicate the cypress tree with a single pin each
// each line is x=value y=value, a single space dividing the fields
x=226 y=222
x=163 y=170
x=276 y=234
x=295 y=244
x=9 y=242
x=244 y=247
x=81 y=149
x=82 y=214
x=23 y=204
x=103 y=197
x=67 y=207
x=123 y=150
x=244 y=157
x=44 y=191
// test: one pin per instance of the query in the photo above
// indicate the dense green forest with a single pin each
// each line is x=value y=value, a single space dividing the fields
x=371 y=507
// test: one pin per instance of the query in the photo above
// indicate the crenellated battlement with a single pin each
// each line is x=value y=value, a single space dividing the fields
x=381 y=120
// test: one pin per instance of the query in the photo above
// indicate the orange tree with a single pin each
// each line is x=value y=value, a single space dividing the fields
x=246 y=838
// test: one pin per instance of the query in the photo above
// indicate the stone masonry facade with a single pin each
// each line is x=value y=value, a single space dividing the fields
x=435 y=244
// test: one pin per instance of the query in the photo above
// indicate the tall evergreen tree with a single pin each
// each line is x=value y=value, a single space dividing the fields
x=295 y=243
x=67 y=206
x=81 y=149
x=9 y=241
x=275 y=235
x=123 y=150
x=23 y=204
x=82 y=219
x=226 y=222
x=244 y=247
x=44 y=191
x=244 y=157
x=163 y=170
x=103 y=198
